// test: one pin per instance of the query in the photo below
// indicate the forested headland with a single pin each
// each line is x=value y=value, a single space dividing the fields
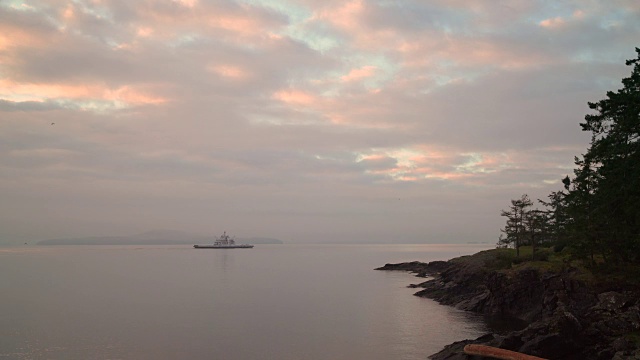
x=595 y=216
x=567 y=271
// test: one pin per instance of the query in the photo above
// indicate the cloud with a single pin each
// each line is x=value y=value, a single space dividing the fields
x=294 y=97
x=6 y=105
x=297 y=112
x=359 y=74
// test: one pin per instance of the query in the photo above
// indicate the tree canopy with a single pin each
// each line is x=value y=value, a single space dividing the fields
x=597 y=214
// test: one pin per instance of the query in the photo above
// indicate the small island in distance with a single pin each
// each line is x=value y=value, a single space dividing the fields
x=153 y=237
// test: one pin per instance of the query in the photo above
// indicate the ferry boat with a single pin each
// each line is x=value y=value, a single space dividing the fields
x=224 y=242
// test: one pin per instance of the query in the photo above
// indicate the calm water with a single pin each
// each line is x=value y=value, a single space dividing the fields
x=270 y=302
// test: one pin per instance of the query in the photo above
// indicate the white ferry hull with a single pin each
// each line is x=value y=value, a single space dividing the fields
x=223 y=246
x=224 y=242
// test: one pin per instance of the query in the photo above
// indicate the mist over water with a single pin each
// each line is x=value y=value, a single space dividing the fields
x=270 y=302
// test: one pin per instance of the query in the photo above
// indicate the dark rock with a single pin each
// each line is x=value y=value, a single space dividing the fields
x=420 y=268
x=566 y=317
x=622 y=344
x=548 y=346
x=475 y=303
x=455 y=351
x=611 y=301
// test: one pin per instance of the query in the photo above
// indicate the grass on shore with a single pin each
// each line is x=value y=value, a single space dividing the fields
x=634 y=337
x=547 y=260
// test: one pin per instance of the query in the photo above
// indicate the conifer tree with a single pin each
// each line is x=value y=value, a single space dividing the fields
x=515 y=230
x=610 y=170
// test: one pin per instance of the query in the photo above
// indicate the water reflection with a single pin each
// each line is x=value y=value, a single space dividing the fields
x=281 y=302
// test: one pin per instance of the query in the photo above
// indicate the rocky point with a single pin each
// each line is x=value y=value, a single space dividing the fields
x=565 y=315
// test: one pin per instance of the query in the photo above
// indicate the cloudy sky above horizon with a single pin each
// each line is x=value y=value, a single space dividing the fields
x=307 y=121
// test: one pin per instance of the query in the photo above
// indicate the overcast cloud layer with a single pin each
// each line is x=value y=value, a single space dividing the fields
x=307 y=121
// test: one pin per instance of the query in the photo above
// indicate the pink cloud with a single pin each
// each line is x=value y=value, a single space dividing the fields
x=350 y=18
x=426 y=162
x=428 y=47
x=130 y=95
x=68 y=12
x=359 y=74
x=295 y=97
x=12 y=37
x=144 y=31
x=230 y=71
x=553 y=23
x=241 y=25
x=559 y=22
x=39 y=92
x=373 y=157
x=438 y=56
x=187 y=3
x=345 y=17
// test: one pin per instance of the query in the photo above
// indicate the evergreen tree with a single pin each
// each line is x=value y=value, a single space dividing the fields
x=515 y=231
x=583 y=233
x=598 y=212
x=536 y=227
x=556 y=217
x=614 y=157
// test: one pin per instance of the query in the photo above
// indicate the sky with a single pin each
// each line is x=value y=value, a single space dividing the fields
x=307 y=121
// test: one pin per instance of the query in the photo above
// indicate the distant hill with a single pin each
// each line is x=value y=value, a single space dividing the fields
x=153 y=237
x=259 y=240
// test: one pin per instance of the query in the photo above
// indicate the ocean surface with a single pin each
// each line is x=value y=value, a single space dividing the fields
x=271 y=302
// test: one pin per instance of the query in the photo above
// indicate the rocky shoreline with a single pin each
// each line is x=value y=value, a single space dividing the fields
x=565 y=315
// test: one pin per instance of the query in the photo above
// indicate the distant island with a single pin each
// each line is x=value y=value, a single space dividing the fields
x=154 y=237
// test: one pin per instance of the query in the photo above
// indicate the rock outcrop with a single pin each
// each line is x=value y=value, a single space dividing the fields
x=563 y=315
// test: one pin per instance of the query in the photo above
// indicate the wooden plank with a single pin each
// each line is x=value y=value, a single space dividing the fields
x=497 y=353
